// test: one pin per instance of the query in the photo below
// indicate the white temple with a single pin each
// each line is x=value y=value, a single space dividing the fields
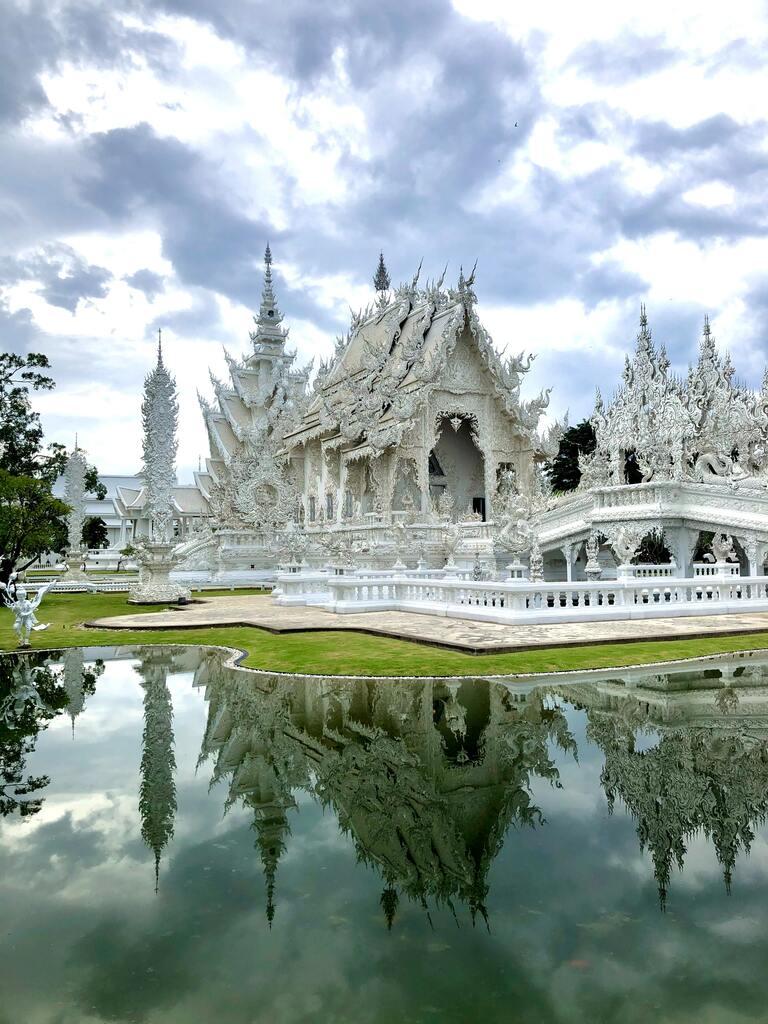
x=409 y=474
x=415 y=421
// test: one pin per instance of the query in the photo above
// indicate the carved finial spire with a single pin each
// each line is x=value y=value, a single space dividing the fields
x=389 y=901
x=644 y=339
x=271 y=830
x=381 y=281
x=464 y=291
x=268 y=329
x=159 y=346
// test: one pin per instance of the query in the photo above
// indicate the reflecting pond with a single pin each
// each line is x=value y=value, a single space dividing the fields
x=182 y=841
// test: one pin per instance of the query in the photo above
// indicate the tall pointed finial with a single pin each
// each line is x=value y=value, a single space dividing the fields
x=644 y=334
x=159 y=346
x=381 y=280
x=388 y=901
x=268 y=330
x=75 y=440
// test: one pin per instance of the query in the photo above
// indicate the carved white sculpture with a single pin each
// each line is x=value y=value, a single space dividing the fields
x=722 y=548
x=593 y=568
x=625 y=541
x=74 y=495
x=24 y=608
x=535 y=562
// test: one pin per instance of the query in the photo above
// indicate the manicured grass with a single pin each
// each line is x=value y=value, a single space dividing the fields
x=346 y=653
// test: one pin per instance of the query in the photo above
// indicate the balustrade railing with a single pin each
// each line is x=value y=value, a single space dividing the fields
x=523 y=600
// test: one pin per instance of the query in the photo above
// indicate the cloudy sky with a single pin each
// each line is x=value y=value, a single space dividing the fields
x=588 y=158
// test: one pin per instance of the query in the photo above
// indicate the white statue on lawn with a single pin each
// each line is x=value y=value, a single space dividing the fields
x=24 y=609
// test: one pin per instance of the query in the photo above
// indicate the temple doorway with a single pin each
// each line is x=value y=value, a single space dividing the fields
x=456 y=465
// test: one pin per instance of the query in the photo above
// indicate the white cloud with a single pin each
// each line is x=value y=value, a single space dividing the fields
x=711 y=194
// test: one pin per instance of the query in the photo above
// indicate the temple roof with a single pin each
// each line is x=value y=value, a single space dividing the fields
x=393 y=356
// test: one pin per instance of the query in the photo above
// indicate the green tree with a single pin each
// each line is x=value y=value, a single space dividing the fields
x=32 y=522
x=31 y=695
x=125 y=553
x=21 y=434
x=563 y=471
x=29 y=699
x=95 y=533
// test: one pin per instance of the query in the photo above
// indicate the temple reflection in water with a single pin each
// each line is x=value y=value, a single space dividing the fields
x=426 y=777
x=705 y=769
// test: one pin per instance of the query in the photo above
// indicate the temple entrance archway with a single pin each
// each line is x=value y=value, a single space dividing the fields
x=456 y=465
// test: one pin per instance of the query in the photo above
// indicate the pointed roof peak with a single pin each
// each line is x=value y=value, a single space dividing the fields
x=381 y=279
x=644 y=338
x=268 y=321
x=159 y=346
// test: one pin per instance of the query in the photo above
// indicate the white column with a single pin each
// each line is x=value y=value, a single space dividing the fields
x=567 y=550
x=342 y=488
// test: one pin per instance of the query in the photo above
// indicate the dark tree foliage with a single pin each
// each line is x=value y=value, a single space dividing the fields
x=95 y=533
x=31 y=521
x=381 y=280
x=653 y=549
x=21 y=720
x=563 y=471
x=21 y=435
x=31 y=695
x=125 y=553
x=632 y=473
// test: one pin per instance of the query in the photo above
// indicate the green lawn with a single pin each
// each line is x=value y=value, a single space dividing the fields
x=346 y=653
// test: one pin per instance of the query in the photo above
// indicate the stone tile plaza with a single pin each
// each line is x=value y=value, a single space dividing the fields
x=383 y=512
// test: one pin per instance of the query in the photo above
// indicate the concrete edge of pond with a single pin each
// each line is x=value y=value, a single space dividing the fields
x=236 y=656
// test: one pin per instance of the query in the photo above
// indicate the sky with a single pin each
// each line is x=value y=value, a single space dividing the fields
x=589 y=157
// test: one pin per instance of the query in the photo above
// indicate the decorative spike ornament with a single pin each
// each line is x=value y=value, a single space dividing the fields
x=381 y=280
x=268 y=334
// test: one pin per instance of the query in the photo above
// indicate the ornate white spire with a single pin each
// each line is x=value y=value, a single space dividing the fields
x=644 y=338
x=159 y=414
x=74 y=495
x=268 y=329
x=157 y=794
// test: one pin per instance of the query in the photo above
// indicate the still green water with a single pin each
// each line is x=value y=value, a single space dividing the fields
x=181 y=842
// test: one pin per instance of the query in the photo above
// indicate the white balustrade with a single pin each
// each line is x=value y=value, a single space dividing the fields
x=716 y=569
x=521 y=601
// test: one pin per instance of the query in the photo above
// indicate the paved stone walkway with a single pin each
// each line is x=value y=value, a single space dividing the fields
x=460 y=634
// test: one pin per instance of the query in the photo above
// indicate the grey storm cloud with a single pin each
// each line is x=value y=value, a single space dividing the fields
x=65 y=278
x=449 y=105
x=36 y=36
x=616 y=61
x=147 y=281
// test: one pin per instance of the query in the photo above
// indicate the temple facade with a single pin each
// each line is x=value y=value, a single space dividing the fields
x=416 y=420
